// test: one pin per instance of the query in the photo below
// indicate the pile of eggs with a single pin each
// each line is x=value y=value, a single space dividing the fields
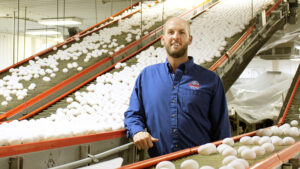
x=263 y=143
x=98 y=109
x=104 y=102
x=222 y=21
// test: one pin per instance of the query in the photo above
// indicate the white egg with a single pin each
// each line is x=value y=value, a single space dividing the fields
x=228 y=141
x=259 y=132
x=46 y=79
x=259 y=151
x=264 y=139
x=75 y=64
x=267 y=132
x=118 y=65
x=189 y=164
x=242 y=148
x=294 y=132
x=229 y=152
x=288 y=140
x=269 y=147
x=207 y=149
x=70 y=65
x=52 y=75
x=228 y=159
x=275 y=130
x=255 y=139
x=285 y=125
x=65 y=70
x=294 y=123
x=48 y=71
x=248 y=154
x=55 y=69
x=246 y=140
x=70 y=99
x=20 y=97
x=4 y=103
x=31 y=86
x=286 y=131
x=222 y=147
x=165 y=164
x=9 y=98
x=244 y=162
x=277 y=141
x=123 y=64
x=236 y=165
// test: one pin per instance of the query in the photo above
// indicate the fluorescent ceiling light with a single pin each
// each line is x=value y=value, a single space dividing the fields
x=295 y=59
x=60 y=21
x=42 y=32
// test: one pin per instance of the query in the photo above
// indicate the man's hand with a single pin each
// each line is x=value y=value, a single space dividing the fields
x=143 y=140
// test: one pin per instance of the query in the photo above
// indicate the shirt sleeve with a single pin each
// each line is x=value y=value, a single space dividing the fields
x=219 y=113
x=134 y=121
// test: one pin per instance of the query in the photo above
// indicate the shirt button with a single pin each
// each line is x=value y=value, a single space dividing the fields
x=174 y=101
x=174 y=130
x=174 y=87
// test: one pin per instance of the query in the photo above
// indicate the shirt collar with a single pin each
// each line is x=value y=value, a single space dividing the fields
x=185 y=67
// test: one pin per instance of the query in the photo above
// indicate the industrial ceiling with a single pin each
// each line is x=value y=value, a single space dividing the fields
x=90 y=11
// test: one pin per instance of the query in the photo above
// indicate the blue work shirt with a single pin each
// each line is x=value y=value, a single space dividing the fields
x=183 y=109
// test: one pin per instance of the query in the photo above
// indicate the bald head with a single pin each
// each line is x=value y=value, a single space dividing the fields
x=177 y=20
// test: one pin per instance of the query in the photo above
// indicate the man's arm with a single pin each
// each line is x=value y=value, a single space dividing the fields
x=135 y=119
x=219 y=113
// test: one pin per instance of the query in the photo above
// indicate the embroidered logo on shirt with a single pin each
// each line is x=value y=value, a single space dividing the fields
x=194 y=85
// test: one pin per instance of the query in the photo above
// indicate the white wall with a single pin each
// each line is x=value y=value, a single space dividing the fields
x=6 y=52
x=32 y=45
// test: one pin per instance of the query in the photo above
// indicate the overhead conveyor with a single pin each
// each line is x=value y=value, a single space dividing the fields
x=292 y=100
x=66 y=83
x=234 y=55
x=236 y=59
x=20 y=106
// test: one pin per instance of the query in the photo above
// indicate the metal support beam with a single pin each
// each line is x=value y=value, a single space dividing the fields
x=277 y=14
x=295 y=162
x=16 y=163
x=261 y=19
x=95 y=158
x=85 y=150
x=287 y=166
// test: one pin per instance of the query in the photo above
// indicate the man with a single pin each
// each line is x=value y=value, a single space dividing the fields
x=176 y=104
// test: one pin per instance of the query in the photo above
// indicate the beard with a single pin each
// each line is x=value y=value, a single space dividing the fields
x=177 y=54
